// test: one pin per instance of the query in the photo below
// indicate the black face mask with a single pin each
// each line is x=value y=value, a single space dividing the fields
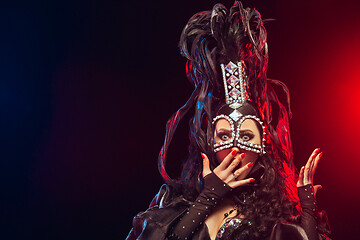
x=236 y=117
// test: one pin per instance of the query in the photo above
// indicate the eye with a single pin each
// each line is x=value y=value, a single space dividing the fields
x=224 y=137
x=246 y=136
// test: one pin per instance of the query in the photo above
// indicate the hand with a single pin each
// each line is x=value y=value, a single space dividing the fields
x=225 y=169
x=307 y=172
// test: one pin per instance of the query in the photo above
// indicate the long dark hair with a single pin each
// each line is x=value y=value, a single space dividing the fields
x=209 y=39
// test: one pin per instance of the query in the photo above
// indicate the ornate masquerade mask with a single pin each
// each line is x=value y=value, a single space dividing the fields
x=237 y=109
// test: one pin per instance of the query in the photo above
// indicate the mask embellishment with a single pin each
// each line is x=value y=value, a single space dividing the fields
x=236 y=95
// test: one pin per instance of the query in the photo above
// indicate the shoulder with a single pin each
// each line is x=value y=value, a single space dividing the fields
x=166 y=206
x=166 y=195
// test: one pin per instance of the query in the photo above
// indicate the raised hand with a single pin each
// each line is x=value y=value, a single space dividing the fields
x=226 y=169
x=307 y=172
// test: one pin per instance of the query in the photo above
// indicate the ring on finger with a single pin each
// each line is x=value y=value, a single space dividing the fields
x=235 y=175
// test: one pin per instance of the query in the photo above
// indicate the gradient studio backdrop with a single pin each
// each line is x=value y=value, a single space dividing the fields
x=87 y=87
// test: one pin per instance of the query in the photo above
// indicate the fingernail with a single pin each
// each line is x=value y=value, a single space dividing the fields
x=320 y=155
x=320 y=187
x=202 y=155
x=243 y=155
x=250 y=164
x=233 y=152
x=252 y=179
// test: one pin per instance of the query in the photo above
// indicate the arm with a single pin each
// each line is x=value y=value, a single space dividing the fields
x=309 y=210
x=216 y=185
x=307 y=193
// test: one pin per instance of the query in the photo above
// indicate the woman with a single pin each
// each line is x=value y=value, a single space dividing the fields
x=239 y=180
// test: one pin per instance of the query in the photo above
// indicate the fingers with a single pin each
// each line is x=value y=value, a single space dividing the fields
x=306 y=175
x=227 y=160
x=313 y=167
x=206 y=165
x=316 y=163
x=317 y=188
x=309 y=165
x=239 y=183
x=228 y=170
x=242 y=169
x=236 y=162
x=300 y=182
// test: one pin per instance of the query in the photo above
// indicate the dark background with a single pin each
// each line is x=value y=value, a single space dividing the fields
x=87 y=87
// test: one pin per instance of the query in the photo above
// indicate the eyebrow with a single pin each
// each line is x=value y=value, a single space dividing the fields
x=223 y=130
x=246 y=130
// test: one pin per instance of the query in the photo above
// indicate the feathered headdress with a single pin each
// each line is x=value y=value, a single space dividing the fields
x=216 y=37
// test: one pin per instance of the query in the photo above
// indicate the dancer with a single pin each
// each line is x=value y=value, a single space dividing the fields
x=238 y=181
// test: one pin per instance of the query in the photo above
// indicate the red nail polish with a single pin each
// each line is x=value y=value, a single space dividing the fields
x=320 y=155
x=252 y=179
x=250 y=164
x=243 y=155
x=233 y=152
x=202 y=155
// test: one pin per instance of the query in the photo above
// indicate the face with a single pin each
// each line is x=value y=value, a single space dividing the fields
x=249 y=133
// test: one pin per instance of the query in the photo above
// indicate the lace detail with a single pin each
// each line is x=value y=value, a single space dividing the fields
x=235 y=224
